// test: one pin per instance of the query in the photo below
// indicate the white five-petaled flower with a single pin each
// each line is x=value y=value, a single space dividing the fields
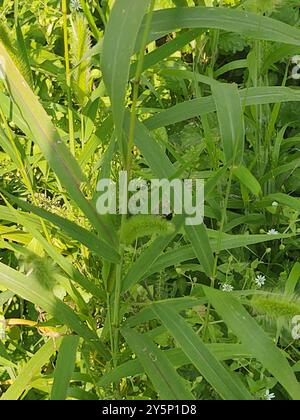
x=227 y=287
x=76 y=5
x=273 y=232
x=269 y=395
x=275 y=204
x=260 y=280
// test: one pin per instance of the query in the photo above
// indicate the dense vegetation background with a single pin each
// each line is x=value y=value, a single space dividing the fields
x=98 y=307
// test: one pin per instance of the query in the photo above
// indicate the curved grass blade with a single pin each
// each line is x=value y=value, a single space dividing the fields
x=46 y=136
x=231 y=120
x=200 y=243
x=247 y=180
x=163 y=168
x=31 y=370
x=249 y=24
x=203 y=106
x=293 y=279
x=162 y=374
x=64 y=367
x=166 y=50
x=76 y=232
x=253 y=337
x=29 y=288
x=283 y=199
x=228 y=242
x=34 y=227
x=198 y=353
x=177 y=357
x=118 y=46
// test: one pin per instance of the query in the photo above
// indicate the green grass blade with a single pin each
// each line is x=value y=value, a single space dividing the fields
x=204 y=106
x=46 y=136
x=162 y=167
x=118 y=47
x=64 y=367
x=198 y=353
x=231 y=120
x=180 y=3
x=228 y=242
x=76 y=232
x=34 y=227
x=245 y=23
x=31 y=370
x=200 y=243
x=148 y=258
x=253 y=337
x=166 y=50
x=293 y=279
x=177 y=357
x=162 y=374
x=284 y=200
x=247 y=180
x=29 y=288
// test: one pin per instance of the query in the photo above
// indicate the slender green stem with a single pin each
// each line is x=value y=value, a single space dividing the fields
x=101 y=13
x=116 y=309
x=68 y=76
x=110 y=329
x=16 y=11
x=90 y=19
x=259 y=108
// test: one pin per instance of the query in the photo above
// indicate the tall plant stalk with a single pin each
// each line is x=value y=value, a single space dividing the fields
x=128 y=167
x=68 y=76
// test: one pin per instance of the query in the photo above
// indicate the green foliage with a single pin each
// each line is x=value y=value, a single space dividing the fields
x=16 y=51
x=142 y=307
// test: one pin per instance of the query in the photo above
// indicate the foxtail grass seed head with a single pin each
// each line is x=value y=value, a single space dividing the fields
x=276 y=305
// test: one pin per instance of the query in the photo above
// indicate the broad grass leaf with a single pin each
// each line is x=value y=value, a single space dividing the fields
x=64 y=368
x=253 y=336
x=162 y=374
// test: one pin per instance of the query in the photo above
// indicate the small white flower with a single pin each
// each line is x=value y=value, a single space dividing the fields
x=269 y=395
x=260 y=280
x=227 y=287
x=275 y=204
x=75 y=4
x=273 y=232
x=296 y=332
x=296 y=327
